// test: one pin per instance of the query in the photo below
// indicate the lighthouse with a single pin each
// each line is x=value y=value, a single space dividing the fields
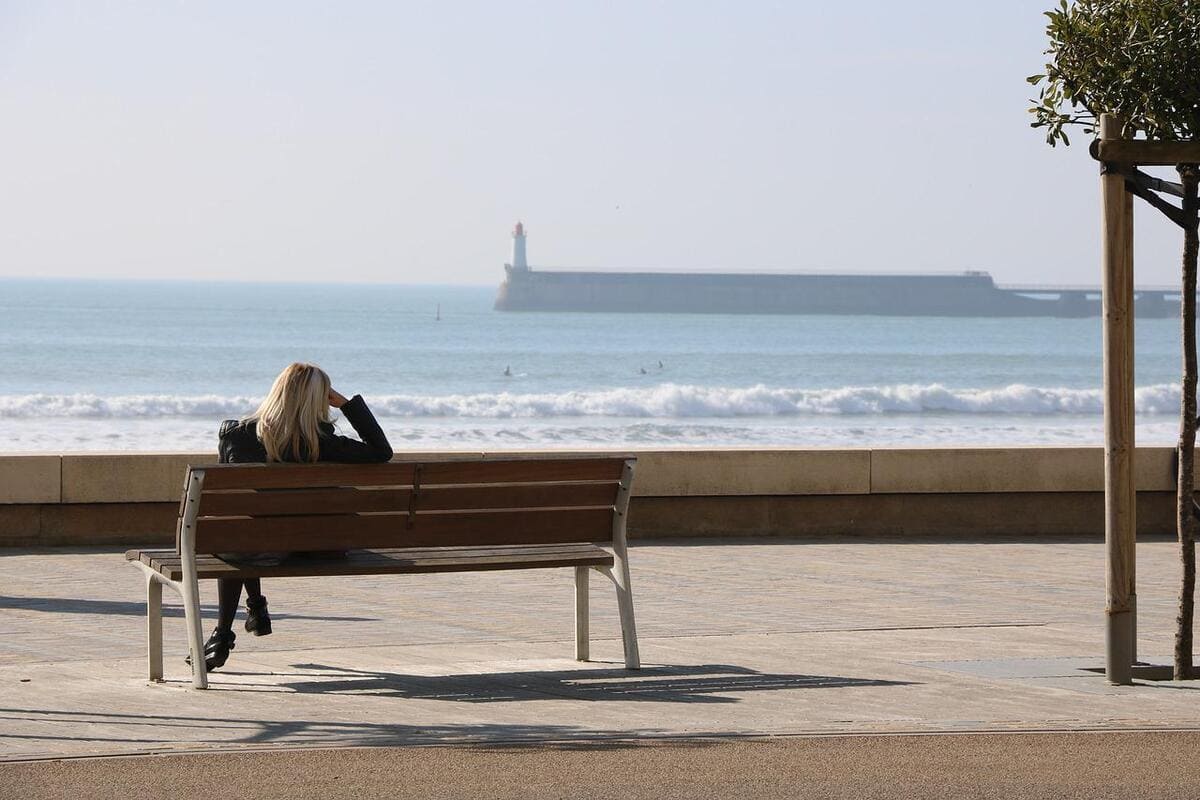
x=518 y=256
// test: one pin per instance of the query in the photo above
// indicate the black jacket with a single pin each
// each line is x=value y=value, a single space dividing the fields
x=240 y=444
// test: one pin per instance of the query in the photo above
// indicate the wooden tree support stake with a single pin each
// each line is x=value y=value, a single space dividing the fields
x=1119 y=496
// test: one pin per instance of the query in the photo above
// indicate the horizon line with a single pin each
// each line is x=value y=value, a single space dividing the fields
x=237 y=281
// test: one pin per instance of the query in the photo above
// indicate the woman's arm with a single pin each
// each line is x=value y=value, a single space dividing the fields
x=374 y=447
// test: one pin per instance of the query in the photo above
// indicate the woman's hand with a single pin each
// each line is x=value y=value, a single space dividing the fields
x=335 y=399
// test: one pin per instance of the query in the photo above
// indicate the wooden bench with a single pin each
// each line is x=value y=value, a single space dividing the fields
x=398 y=518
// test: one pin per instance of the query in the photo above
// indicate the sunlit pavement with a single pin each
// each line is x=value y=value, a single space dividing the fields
x=763 y=637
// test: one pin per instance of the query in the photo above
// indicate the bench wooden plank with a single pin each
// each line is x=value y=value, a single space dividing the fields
x=400 y=563
x=428 y=529
x=157 y=558
x=297 y=476
x=164 y=552
x=522 y=471
x=387 y=561
x=292 y=502
x=547 y=495
x=343 y=500
x=288 y=476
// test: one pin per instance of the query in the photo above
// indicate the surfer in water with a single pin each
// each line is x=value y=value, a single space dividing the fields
x=507 y=371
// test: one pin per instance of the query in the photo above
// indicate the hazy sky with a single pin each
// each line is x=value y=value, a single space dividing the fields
x=399 y=141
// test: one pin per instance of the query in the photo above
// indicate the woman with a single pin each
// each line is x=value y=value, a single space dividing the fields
x=292 y=424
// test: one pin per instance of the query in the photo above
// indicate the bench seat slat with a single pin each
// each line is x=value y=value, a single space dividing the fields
x=146 y=556
x=386 y=561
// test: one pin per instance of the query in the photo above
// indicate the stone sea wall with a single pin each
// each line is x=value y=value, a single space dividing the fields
x=133 y=498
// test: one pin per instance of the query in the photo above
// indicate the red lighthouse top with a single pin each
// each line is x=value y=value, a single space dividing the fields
x=519 y=230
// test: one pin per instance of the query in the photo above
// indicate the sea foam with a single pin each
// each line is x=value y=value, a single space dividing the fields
x=664 y=401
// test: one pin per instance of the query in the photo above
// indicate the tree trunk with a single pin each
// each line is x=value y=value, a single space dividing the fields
x=1186 y=521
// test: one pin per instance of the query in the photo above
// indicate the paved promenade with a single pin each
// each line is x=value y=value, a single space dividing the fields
x=739 y=637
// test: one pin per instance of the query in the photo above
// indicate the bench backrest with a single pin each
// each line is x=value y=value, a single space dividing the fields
x=238 y=508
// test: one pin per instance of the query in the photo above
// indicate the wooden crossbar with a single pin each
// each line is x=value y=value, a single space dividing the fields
x=1150 y=154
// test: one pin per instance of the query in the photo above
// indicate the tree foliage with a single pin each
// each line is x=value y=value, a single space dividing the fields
x=1138 y=59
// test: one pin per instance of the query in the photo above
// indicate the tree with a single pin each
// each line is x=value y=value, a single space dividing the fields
x=1140 y=60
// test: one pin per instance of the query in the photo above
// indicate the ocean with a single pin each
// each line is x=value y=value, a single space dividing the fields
x=155 y=366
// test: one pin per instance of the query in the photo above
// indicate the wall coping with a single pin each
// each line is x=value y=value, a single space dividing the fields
x=151 y=476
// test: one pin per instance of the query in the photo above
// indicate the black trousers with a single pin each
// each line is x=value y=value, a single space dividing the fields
x=229 y=597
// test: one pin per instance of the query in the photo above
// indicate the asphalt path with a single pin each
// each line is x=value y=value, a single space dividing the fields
x=1142 y=765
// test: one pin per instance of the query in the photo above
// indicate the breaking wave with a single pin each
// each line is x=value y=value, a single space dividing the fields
x=671 y=401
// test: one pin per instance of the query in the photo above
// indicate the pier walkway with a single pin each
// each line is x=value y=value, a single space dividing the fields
x=739 y=638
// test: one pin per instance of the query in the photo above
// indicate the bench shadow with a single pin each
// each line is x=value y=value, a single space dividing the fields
x=706 y=683
x=77 y=605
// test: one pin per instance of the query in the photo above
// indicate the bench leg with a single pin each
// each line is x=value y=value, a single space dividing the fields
x=154 y=640
x=620 y=579
x=195 y=629
x=629 y=640
x=582 y=639
x=190 y=586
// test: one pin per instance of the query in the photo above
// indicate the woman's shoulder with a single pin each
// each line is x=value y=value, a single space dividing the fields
x=238 y=442
x=233 y=427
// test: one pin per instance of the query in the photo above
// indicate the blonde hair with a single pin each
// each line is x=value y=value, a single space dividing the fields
x=287 y=421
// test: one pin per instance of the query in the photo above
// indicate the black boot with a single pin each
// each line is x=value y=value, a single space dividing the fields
x=258 y=621
x=216 y=649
